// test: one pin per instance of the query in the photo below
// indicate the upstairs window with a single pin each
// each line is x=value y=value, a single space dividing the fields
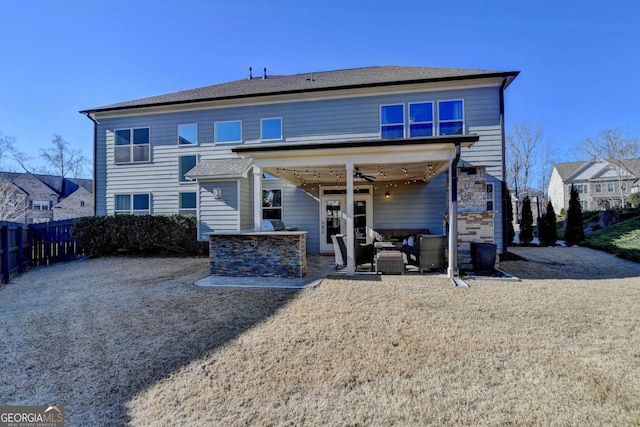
x=598 y=188
x=392 y=121
x=611 y=187
x=421 y=119
x=40 y=205
x=137 y=204
x=188 y=134
x=271 y=129
x=185 y=164
x=227 y=132
x=451 y=117
x=581 y=188
x=623 y=186
x=132 y=145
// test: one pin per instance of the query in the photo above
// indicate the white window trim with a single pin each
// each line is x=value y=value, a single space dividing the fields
x=409 y=123
x=493 y=196
x=281 y=207
x=131 y=145
x=186 y=180
x=270 y=139
x=41 y=203
x=180 y=209
x=464 y=131
x=132 y=211
x=404 y=119
x=215 y=133
x=178 y=137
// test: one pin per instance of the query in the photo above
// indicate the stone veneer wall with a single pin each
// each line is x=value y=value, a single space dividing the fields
x=276 y=254
x=474 y=227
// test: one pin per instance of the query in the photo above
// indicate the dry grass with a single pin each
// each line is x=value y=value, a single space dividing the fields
x=392 y=351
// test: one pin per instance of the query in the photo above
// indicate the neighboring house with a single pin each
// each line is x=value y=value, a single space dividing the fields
x=345 y=151
x=600 y=185
x=50 y=198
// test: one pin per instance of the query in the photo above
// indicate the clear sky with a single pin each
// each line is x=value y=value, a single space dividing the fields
x=579 y=60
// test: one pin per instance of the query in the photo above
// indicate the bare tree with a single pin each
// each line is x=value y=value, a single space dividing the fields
x=547 y=158
x=7 y=144
x=13 y=202
x=63 y=159
x=613 y=146
x=522 y=143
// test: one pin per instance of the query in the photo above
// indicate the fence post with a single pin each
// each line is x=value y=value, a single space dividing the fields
x=5 y=253
x=20 y=249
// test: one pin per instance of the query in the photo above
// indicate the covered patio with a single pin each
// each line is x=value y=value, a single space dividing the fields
x=354 y=163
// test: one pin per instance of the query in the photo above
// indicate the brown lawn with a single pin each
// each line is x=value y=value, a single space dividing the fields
x=131 y=341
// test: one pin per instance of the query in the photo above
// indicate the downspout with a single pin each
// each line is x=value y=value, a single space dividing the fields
x=95 y=162
x=506 y=197
x=453 y=272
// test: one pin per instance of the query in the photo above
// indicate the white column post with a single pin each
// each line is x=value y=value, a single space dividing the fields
x=257 y=198
x=351 y=262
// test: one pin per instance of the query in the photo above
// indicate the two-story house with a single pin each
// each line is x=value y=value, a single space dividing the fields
x=345 y=151
x=600 y=185
x=50 y=198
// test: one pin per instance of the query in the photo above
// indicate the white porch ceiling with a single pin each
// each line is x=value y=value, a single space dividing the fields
x=364 y=173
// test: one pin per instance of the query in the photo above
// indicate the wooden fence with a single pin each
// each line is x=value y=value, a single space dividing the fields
x=35 y=244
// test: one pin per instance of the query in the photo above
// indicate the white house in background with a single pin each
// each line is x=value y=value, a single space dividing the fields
x=601 y=185
x=332 y=152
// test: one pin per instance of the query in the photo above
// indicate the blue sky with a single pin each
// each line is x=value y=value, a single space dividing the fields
x=579 y=61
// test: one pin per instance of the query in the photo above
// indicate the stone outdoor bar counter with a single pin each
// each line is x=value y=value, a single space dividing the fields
x=258 y=253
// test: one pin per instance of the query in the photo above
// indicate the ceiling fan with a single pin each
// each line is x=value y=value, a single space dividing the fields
x=358 y=174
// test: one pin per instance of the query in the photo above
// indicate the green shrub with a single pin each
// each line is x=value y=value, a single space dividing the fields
x=634 y=199
x=140 y=235
x=574 y=231
x=526 y=223
x=548 y=227
x=511 y=234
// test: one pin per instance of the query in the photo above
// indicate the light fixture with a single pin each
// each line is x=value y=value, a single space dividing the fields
x=387 y=195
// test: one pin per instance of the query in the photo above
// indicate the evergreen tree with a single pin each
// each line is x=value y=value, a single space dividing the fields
x=511 y=233
x=543 y=229
x=574 y=231
x=551 y=232
x=526 y=223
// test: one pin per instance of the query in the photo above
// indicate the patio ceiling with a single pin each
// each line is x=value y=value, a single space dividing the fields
x=370 y=161
x=365 y=173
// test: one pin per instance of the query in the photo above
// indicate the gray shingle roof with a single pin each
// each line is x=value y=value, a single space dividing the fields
x=310 y=82
x=567 y=169
x=234 y=167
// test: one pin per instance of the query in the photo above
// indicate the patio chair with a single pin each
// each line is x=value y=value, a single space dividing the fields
x=363 y=253
x=428 y=253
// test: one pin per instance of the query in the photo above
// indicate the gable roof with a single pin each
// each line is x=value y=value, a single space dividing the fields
x=222 y=168
x=567 y=169
x=62 y=186
x=585 y=170
x=310 y=82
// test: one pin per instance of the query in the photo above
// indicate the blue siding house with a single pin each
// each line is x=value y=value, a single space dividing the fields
x=346 y=151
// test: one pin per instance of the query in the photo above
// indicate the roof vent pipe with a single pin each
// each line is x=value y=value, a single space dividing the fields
x=264 y=73
x=250 y=73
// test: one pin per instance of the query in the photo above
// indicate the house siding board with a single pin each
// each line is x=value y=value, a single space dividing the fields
x=321 y=120
x=246 y=203
x=300 y=209
x=413 y=206
x=218 y=214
